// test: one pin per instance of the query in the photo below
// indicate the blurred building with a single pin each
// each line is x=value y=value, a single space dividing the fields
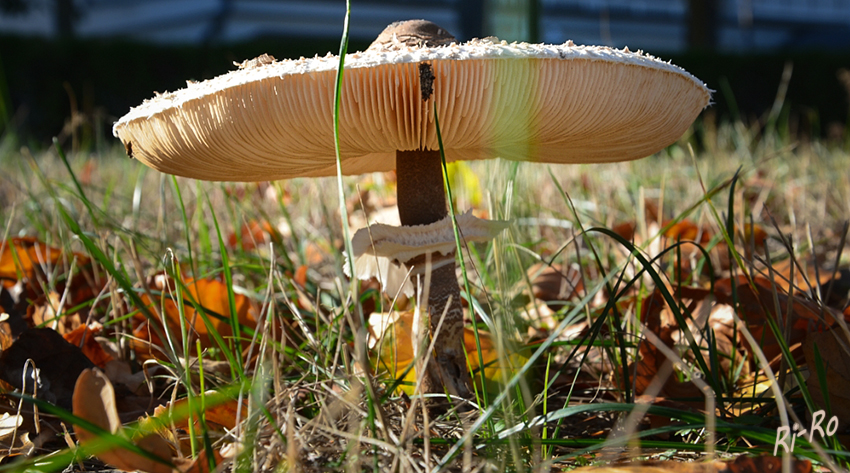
x=654 y=25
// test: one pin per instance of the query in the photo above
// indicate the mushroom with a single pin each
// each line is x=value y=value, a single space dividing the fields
x=527 y=102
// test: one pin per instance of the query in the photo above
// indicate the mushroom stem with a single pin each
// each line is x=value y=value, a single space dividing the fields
x=422 y=200
x=421 y=195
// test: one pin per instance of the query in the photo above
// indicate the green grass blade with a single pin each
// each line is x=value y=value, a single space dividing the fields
x=79 y=188
x=494 y=405
x=460 y=258
x=353 y=289
x=186 y=225
x=343 y=50
x=236 y=342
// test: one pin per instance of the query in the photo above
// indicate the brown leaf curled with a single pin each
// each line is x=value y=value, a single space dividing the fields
x=94 y=401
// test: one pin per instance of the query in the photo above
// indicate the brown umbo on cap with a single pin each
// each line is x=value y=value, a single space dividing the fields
x=526 y=102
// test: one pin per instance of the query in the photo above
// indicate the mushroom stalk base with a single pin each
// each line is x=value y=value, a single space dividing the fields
x=422 y=200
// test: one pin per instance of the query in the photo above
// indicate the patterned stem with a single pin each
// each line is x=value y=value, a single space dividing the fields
x=422 y=200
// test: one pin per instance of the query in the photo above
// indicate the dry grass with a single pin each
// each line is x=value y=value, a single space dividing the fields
x=325 y=410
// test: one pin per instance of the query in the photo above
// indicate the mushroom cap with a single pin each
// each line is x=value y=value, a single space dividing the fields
x=526 y=102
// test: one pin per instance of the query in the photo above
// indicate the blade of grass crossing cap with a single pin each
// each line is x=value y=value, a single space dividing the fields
x=343 y=50
x=459 y=252
x=343 y=212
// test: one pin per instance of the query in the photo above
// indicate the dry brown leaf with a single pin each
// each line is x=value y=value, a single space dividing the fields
x=58 y=363
x=300 y=276
x=658 y=318
x=94 y=401
x=6 y=338
x=729 y=342
x=24 y=256
x=87 y=173
x=200 y=464
x=764 y=464
x=43 y=310
x=836 y=360
x=750 y=235
x=28 y=259
x=42 y=313
x=219 y=418
x=554 y=283
x=659 y=467
x=808 y=274
x=687 y=230
x=24 y=264
x=754 y=306
x=84 y=338
x=23 y=445
x=221 y=415
x=120 y=373
x=254 y=234
x=210 y=294
x=315 y=253
x=742 y=464
x=625 y=230
x=541 y=320
x=683 y=258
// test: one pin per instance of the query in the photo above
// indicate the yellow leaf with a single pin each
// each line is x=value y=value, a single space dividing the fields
x=465 y=180
x=392 y=340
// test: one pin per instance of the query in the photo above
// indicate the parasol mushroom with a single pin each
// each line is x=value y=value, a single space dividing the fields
x=527 y=102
